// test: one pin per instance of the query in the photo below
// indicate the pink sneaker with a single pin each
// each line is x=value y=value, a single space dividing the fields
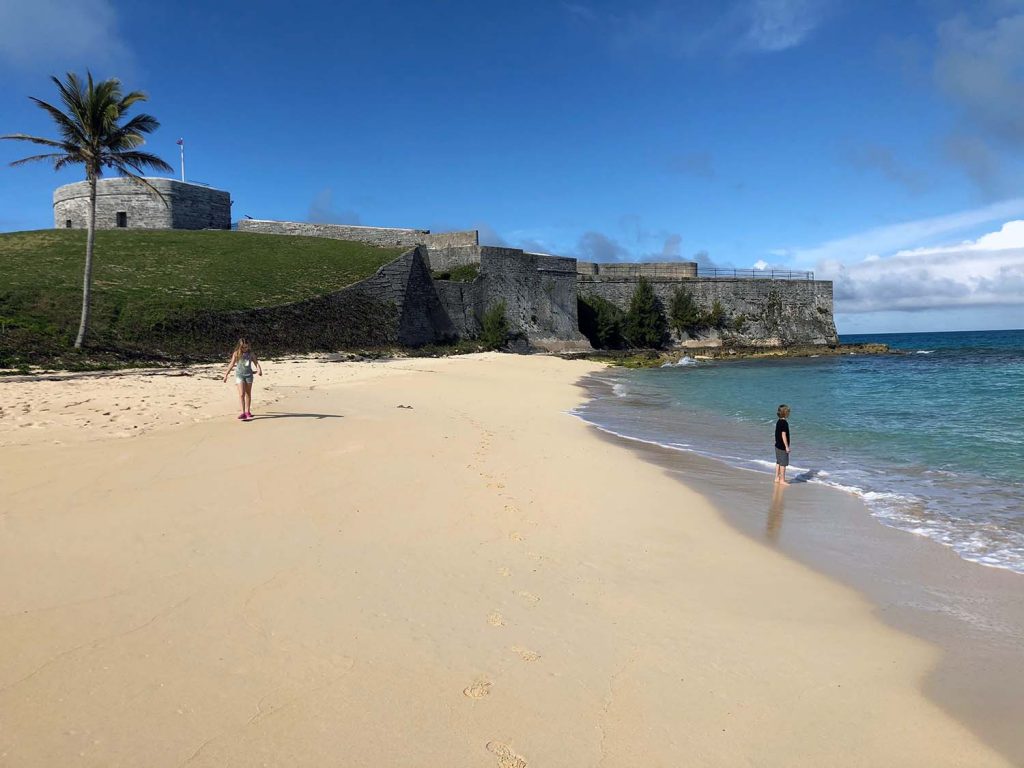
x=248 y=414
x=242 y=417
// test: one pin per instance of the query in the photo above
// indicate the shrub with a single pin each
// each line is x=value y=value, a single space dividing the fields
x=464 y=273
x=496 y=330
x=645 y=324
x=739 y=323
x=601 y=322
x=684 y=314
x=715 y=318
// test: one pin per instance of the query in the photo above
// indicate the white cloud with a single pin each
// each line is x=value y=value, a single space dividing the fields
x=986 y=272
x=775 y=25
x=891 y=238
x=760 y=264
x=692 y=29
x=60 y=34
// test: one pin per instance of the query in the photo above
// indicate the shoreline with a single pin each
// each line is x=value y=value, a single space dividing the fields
x=723 y=353
x=475 y=580
x=971 y=611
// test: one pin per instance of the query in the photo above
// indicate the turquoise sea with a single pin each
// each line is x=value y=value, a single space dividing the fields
x=931 y=437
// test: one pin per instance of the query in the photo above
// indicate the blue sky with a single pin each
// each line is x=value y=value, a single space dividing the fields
x=876 y=143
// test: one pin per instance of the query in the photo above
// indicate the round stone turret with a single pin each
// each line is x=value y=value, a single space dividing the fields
x=124 y=204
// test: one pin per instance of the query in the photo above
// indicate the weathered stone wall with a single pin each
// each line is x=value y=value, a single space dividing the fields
x=406 y=284
x=464 y=239
x=464 y=305
x=445 y=250
x=382 y=236
x=184 y=205
x=539 y=292
x=446 y=259
x=668 y=270
x=759 y=311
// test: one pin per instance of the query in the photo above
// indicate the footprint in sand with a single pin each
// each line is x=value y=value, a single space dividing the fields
x=525 y=653
x=495 y=619
x=528 y=597
x=506 y=757
x=477 y=690
x=515 y=536
x=503 y=571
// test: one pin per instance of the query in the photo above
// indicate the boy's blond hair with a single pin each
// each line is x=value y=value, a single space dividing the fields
x=783 y=412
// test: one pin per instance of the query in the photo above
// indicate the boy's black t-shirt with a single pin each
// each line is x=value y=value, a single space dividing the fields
x=782 y=426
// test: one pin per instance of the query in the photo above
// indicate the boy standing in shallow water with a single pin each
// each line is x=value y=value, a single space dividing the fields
x=782 y=444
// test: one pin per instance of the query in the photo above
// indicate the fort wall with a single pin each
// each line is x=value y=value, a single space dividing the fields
x=445 y=250
x=758 y=311
x=540 y=291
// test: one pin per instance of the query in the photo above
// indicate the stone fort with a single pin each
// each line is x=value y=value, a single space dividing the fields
x=125 y=204
x=540 y=290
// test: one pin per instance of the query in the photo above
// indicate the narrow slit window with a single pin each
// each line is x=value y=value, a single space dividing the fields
x=122 y=219
x=67 y=224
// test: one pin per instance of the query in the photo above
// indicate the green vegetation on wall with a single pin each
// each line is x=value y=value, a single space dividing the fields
x=464 y=273
x=495 y=327
x=601 y=322
x=685 y=315
x=645 y=325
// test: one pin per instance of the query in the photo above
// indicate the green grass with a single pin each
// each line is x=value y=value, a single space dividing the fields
x=464 y=273
x=145 y=280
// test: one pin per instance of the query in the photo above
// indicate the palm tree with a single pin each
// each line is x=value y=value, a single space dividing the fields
x=92 y=135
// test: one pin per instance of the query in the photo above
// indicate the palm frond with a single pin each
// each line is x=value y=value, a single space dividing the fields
x=68 y=126
x=91 y=131
x=141 y=123
x=138 y=160
x=56 y=157
x=73 y=96
x=36 y=140
x=132 y=98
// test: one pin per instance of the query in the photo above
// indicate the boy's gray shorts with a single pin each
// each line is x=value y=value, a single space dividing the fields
x=781 y=457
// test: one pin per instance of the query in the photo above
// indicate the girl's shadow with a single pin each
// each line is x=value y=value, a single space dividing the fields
x=297 y=416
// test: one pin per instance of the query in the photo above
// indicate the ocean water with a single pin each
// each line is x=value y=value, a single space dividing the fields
x=932 y=438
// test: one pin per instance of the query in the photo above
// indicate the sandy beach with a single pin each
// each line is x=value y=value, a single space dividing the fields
x=477 y=579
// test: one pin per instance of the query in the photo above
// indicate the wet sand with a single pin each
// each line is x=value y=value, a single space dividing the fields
x=475 y=580
x=973 y=613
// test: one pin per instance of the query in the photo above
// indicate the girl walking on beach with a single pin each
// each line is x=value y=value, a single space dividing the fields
x=781 y=444
x=245 y=364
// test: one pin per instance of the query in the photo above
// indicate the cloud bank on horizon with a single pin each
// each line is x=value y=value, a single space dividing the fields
x=986 y=272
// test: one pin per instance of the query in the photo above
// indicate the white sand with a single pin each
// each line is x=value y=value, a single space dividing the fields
x=475 y=581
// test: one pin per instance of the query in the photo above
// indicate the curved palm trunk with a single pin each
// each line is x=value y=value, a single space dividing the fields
x=90 y=240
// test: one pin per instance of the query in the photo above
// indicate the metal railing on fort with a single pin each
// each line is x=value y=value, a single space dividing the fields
x=761 y=274
x=686 y=270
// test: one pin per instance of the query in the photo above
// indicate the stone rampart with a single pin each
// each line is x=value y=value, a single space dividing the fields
x=668 y=270
x=539 y=292
x=382 y=236
x=758 y=311
x=464 y=304
x=123 y=203
x=445 y=250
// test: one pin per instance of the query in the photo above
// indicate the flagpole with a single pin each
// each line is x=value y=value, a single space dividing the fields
x=181 y=145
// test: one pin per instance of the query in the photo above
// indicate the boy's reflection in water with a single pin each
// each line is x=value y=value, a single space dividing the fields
x=774 y=526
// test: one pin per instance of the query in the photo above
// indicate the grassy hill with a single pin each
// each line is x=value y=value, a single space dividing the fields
x=146 y=284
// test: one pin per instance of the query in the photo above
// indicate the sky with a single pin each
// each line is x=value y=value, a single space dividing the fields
x=876 y=143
